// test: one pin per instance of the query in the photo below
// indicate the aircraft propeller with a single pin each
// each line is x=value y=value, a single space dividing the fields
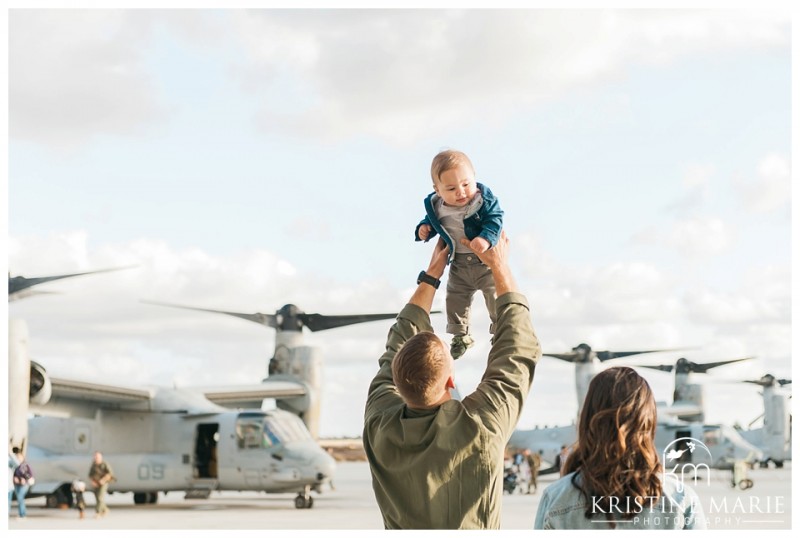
x=768 y=380
x=685 y=366
x=291 y=318
x=584 y=353
x=18 y=284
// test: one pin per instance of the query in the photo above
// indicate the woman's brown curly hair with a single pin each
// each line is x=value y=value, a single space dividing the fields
x=615 y=454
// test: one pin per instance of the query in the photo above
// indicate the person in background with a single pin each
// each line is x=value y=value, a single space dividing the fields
x=78 y=487
x=100 y=474
x=13 y=462
x=534 y=462
x=23 y=480
x=561 y=459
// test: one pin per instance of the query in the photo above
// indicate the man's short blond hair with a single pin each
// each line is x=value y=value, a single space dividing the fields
x=418 y=369
x=447 y=160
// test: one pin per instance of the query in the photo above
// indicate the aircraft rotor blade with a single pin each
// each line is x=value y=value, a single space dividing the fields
x=264 y=319
x=320 y=322
x=608 y=355
x=662 y=367
x=18 y=283
x=569 y=357
x=758 y=382
x=767 y=381
x=705 y=367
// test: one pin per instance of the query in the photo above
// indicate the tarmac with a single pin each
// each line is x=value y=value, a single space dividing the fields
x=351 y=506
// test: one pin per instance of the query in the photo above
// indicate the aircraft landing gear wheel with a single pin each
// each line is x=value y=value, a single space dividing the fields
x=303 y=502
x=745 y=484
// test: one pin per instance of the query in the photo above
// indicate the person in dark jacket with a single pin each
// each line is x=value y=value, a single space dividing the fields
x=23 y=480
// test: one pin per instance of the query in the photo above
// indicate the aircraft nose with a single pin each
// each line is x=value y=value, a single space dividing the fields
x=326 y=466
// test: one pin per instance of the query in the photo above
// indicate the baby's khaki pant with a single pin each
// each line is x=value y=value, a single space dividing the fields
x=468 y=275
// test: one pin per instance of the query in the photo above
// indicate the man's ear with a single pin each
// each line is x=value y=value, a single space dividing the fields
x=450 y=384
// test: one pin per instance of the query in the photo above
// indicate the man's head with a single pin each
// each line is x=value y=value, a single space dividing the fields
x=423 y=371
x=98 y=457
x=453 y=178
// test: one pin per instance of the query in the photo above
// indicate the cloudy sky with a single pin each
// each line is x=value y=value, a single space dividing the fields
x=242 y=160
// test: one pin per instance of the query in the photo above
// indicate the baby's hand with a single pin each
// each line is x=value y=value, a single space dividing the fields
x=479 y=245
x=424 y=231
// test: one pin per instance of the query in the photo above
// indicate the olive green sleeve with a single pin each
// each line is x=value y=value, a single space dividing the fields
x=512 y=360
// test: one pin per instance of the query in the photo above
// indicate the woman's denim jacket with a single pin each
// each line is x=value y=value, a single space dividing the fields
x=563 y=506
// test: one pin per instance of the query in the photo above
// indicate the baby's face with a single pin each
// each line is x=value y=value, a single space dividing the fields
x=456 y=186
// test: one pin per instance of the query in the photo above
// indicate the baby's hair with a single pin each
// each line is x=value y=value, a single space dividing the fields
x=447 y=160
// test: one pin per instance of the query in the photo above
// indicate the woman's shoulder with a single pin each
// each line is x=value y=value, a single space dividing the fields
x=562 y=486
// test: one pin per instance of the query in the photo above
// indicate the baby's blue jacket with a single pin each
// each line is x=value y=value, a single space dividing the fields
x=484 y=220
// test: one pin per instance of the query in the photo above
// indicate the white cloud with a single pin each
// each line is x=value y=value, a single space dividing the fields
x=695 y=237
x=398 y=74
x=697 y=184
x=405 y=74
x=735 y=308
x=771 y=190
x=74 y=74
x=698 y=175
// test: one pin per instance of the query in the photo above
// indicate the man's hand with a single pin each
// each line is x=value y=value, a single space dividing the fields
x=424 y=231
x=438 y=259
x=496 y=259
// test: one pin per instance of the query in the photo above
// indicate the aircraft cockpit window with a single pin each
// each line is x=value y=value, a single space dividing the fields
x=288 y=428
x=249 y=433
x=270 y=439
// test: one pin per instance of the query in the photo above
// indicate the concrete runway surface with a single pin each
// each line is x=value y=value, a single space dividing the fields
x=352 y=505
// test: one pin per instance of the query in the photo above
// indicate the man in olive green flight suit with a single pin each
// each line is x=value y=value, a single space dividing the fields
x=437 y=463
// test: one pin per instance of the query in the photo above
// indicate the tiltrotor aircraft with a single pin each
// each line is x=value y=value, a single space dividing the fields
x=168 y=439
x=726 y=445
x=774 y=437
x=293 y=361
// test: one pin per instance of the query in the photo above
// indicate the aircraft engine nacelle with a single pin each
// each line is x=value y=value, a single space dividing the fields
x=304 y=364
x=693 y=393
x=40 y=387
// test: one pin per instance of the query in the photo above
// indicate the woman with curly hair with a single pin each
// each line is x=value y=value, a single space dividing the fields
x=613 y=477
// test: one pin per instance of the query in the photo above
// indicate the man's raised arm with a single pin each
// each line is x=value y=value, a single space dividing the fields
x=414 y=318
x=515 y=348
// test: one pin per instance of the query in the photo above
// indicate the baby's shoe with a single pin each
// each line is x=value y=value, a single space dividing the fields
x=460 y=344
